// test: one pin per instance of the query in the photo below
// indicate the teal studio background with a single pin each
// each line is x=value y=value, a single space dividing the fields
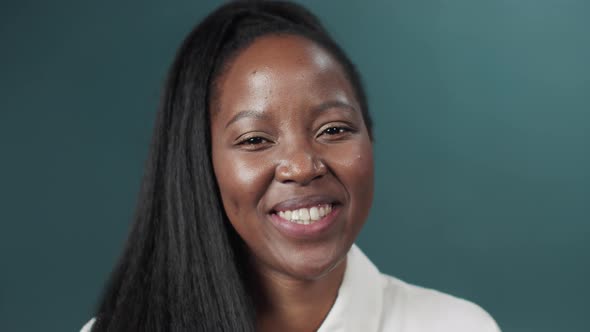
x=482 y=112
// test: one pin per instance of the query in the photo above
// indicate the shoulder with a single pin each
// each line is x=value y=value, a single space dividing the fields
x=426 y=309
x=88 y=326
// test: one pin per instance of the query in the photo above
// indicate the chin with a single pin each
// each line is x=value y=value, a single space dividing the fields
x=313 y=265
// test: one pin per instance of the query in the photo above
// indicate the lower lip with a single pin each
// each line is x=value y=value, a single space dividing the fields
x=302 y=231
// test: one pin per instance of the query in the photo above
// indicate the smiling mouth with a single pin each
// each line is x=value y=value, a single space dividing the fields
x=305 y=216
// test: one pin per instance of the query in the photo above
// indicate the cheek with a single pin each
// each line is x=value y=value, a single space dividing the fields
x=242 y=181
x=355 y=170
x=366 y=174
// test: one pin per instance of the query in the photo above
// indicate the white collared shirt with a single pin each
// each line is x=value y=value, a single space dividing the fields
x=369 y=301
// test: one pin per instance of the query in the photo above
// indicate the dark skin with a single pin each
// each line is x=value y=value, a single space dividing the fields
x=286 y=131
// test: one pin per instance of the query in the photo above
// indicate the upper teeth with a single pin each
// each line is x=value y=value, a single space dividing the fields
x=306 y=215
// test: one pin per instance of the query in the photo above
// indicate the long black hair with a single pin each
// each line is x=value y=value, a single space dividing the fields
x=184 y=268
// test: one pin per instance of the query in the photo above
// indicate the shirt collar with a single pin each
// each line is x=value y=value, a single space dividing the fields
x=358 y=305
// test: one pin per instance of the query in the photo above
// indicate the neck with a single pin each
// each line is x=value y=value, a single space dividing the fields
x=292 y=304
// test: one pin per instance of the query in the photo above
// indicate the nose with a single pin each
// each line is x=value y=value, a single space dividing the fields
x=300 y=165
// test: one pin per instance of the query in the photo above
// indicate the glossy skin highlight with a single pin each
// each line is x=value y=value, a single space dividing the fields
x=287 y=132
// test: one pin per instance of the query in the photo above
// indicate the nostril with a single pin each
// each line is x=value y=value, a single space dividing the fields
x=300 y=166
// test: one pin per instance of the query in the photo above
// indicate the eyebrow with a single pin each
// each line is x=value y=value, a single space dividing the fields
x=334 y=104
x=247 y=114
x=319 y=108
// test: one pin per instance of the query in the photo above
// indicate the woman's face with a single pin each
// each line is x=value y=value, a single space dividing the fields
x=292 y=156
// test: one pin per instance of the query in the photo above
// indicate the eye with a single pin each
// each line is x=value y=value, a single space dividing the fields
x=335 y=130
x=253 y=141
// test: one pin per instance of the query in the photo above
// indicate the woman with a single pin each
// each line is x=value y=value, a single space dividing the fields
x=259 y=179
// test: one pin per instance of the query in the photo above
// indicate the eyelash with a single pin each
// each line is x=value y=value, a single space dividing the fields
x=257 y=140
x=252 y=141
x=340 y=130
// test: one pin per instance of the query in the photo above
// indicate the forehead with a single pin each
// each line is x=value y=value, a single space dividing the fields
x=282 y=68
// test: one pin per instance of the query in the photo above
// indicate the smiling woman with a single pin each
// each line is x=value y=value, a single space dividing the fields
x=306 y=149
x=260 y=178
